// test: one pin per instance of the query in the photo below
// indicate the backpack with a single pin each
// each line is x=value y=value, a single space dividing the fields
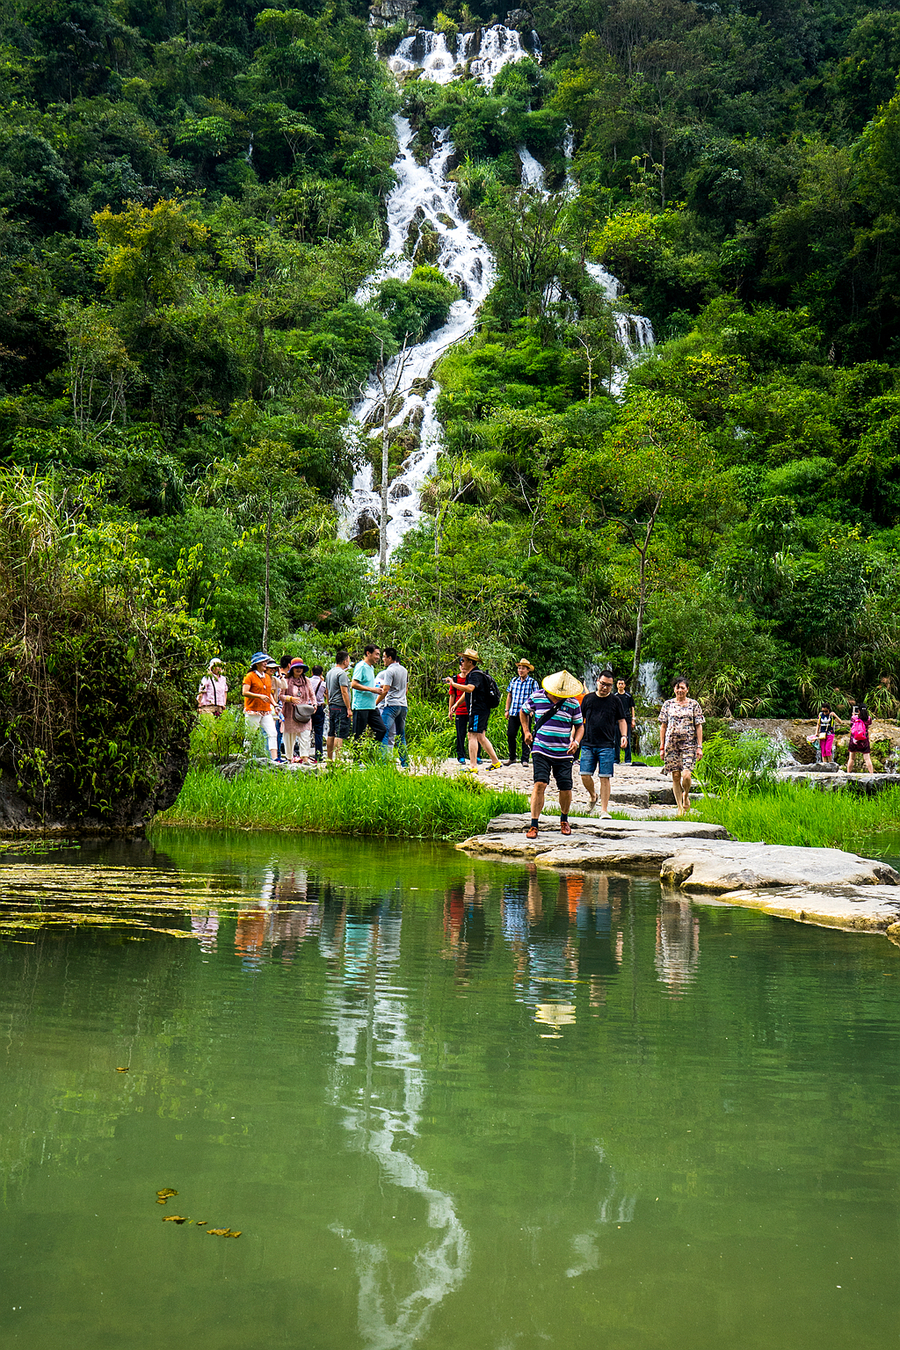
x=493 y=693
x=858 y=729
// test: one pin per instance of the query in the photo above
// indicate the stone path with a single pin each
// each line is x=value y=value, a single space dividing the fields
x=633 y=786
x=817 y=885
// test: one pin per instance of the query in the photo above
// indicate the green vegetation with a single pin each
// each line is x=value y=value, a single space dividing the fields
x=347 y=799
x=190 y=198
x=789 y=814
x=95 y=655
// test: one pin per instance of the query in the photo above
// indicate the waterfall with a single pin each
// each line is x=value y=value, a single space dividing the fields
x=646 y=689
x=424 y=199
x=423 y=203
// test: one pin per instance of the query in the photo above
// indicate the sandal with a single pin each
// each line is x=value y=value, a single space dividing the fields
x=592 y=802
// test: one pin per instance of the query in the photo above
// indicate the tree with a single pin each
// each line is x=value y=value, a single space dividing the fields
x=655 y=460
x=149 y=252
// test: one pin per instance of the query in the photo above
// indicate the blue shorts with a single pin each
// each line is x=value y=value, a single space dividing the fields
x=599 y=757
x=478 y=721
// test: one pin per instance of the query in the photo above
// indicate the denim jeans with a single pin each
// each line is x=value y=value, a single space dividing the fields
x=395 y=721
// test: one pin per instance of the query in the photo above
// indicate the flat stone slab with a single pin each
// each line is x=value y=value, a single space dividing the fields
x=873 y=909
x=737 y=867
x=518 y=822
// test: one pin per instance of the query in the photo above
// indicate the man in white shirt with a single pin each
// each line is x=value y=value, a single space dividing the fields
x=394 y=680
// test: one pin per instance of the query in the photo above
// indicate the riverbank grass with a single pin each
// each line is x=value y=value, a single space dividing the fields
x=371 y=800
x=794 y=814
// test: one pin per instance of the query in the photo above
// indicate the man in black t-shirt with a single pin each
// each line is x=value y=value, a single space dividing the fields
x=627 y=703
x=472 y=681
x=604 y=724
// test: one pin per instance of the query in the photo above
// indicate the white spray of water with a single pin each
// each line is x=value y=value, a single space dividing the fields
x=425 y=201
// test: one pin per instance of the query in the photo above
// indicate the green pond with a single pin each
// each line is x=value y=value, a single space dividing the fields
x=446 y=1104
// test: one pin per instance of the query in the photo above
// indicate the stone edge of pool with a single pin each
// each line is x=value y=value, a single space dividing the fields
x=824 y=886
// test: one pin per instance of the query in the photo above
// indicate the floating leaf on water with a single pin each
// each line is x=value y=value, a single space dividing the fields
x=224 y=1232
x=165 y=1193
x=160 y=1202
x=123 y=1068
x=175 y=1218
x=201 y=1222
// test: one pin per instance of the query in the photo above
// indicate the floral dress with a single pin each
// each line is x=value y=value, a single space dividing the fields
x=681 y=721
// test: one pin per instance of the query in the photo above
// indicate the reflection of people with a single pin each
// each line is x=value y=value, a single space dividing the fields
x=213 y=690
x=681 y=740
x=677 y=942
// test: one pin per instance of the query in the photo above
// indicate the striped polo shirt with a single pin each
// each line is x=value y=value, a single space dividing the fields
x=553 y=738
x=519 y=690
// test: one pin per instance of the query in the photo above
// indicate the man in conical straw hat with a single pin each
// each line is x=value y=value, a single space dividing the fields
x=553 y=740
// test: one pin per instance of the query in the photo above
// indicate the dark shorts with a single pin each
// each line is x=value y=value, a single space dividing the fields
x=339 y=723
x=860 y=747
x=478 y=721
x=561 y=768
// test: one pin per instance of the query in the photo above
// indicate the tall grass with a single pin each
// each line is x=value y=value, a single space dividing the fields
x=346 y=799
x=788 y=813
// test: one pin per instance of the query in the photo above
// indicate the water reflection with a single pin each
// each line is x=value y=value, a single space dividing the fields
x=677 y=942
x=379 y=1086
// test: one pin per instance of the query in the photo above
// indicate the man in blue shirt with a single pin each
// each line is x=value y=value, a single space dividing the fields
x=366 y=696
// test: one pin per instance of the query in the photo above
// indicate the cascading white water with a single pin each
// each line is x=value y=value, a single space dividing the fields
x=424 y=202
x=422 y=197
x=634 y=332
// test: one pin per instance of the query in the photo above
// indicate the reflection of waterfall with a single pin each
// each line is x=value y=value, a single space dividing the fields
x=617 y=1206
x=380 y=1086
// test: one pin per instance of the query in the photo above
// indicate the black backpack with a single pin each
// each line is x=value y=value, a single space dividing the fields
x=493 y=693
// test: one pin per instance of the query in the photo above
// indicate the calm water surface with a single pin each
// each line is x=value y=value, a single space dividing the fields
x=448 y=1105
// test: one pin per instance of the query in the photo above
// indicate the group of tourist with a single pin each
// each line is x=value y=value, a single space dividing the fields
x=306 y=715
x=288 y=703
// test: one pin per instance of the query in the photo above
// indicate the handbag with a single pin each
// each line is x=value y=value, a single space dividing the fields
x=303 y=712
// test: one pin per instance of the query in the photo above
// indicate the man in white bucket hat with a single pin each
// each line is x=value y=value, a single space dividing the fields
x=553 y=740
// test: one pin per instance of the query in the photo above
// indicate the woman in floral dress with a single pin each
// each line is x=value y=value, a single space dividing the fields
x=681 y=740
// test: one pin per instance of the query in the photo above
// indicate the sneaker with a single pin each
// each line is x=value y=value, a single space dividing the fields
x=462 y=761
x=604 y=815
x=498 y=765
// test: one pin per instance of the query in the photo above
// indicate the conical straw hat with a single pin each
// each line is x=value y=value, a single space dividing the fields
x=563 y=685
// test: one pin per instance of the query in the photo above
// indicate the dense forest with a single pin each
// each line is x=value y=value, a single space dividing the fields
x=191 y=196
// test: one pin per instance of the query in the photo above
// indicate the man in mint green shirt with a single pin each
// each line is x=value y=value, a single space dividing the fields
x=366 y=696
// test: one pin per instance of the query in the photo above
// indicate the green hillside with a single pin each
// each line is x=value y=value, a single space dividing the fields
x=191 y=195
